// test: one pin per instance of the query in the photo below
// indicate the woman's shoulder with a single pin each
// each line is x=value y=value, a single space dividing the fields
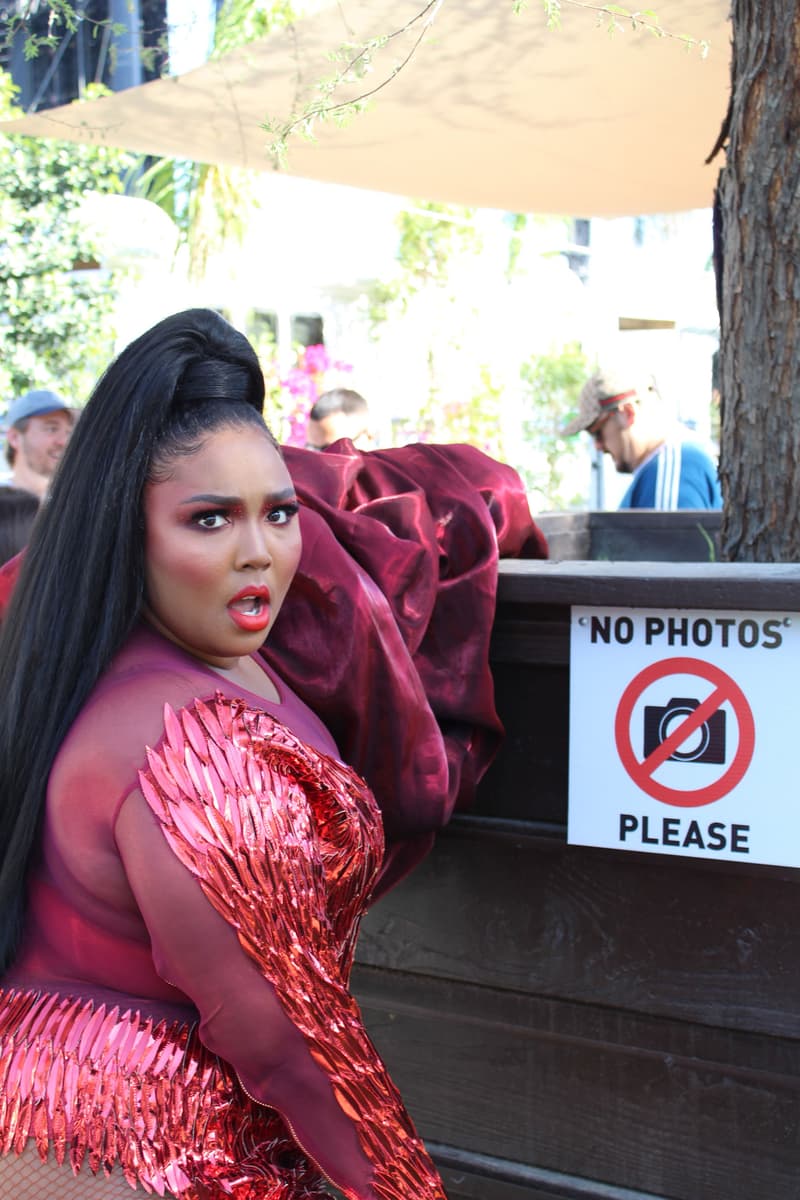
x=124 y=713
x=147 y=673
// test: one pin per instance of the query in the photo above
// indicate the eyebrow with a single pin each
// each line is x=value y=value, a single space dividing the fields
x=229 y=501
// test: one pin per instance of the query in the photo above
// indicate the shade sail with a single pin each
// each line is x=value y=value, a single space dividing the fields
x=493 y=109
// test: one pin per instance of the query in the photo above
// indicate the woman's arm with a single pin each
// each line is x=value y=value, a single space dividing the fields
x=234 y=899
x=241 y=1018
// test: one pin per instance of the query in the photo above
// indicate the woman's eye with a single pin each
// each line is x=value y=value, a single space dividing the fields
x=210 y=520
x=283 y=514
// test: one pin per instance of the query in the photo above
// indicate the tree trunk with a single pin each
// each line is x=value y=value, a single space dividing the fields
x=758 y=271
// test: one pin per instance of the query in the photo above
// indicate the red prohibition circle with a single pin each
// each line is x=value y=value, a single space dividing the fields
x=726 y=689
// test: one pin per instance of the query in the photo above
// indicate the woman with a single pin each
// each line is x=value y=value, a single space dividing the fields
x=184 y=858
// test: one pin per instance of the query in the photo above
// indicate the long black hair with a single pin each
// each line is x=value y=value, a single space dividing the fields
x=81 y=585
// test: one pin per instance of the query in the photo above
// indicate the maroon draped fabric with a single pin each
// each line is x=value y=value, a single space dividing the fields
x=385 y=633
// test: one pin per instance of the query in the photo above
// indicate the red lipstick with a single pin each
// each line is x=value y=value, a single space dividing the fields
x=249 y=608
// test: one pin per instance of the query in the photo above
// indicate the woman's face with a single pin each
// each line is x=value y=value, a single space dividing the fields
x=222 y=544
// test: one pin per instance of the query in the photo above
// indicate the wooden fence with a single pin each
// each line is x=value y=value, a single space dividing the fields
x=581 y=1023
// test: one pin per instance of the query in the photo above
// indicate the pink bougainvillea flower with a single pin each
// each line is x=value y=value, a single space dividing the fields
x=298 y=423
x=316 y=359
x=299 y=383
x=304 y=383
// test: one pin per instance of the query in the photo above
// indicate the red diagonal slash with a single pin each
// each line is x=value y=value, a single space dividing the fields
x=687 y=727
x=724 y=690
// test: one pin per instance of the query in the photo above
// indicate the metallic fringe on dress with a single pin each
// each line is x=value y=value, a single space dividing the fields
x=99 y=1087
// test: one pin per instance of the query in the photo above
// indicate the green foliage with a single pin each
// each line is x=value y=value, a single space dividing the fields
x=476 y=420
x=207 y=203
x=617 y=19
x=357 y=60
x=63 y=18
x=709 y=541
x=518 y=223
x=432 y=239
x=261 y=335
x=430 y=236
x=552 y=384
x=8 y=93
x=242 y=21
x=55 y=304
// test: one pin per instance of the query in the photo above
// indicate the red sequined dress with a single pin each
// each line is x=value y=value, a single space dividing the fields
x=180 y=1006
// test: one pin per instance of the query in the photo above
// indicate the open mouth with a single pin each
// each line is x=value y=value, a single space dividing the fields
x=250 y=610
x=249 y=606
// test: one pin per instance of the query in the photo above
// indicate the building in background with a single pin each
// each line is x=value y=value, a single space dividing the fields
x=117 y=43
x=636 y=289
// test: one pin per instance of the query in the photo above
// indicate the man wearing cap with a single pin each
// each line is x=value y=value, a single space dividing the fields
x=39 y=425
x=670 y=470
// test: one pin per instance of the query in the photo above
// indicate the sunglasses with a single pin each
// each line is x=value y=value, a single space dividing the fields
x=595 y=431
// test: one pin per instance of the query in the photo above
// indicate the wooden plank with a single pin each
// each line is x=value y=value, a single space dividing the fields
x=638 y=1105
x=540 y=637
x=754 y=1054
x=471 y=1176
x=688 y=939
x=760 y=586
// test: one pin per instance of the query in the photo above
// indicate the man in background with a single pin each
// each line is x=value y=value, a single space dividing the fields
x=339 y=413
x=670 y=469
x=39 y=425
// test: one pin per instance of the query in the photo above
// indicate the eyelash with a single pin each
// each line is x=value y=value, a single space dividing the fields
x=198 y=518
x=289 y=510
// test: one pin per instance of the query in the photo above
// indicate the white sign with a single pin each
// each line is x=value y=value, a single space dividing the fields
x=684 y=734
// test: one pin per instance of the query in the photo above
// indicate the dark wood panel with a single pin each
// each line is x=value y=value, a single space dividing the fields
x=516 y=638
x=696 y=940
x=470 y=1176
x=578 y=1024
x=643 y=1108
x=748 y=1054
x=633 y=535
x=528 y=778
x=761 y=586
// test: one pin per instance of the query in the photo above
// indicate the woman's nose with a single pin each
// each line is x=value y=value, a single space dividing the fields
x=253 y=548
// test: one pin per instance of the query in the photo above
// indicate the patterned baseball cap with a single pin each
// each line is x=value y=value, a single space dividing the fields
x=601 y=393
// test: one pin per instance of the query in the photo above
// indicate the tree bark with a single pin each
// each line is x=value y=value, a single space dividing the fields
x=757 y=218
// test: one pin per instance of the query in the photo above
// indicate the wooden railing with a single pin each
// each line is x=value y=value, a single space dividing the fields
x=574 y=1022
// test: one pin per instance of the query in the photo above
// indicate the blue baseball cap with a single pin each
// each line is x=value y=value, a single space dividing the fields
x=34 y=404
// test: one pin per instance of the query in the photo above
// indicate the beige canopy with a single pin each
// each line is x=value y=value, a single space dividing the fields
x=493 y=108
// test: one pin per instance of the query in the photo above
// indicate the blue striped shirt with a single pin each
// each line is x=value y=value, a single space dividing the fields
x=678 y=475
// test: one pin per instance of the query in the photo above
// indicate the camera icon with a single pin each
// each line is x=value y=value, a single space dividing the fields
x=706 y=744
